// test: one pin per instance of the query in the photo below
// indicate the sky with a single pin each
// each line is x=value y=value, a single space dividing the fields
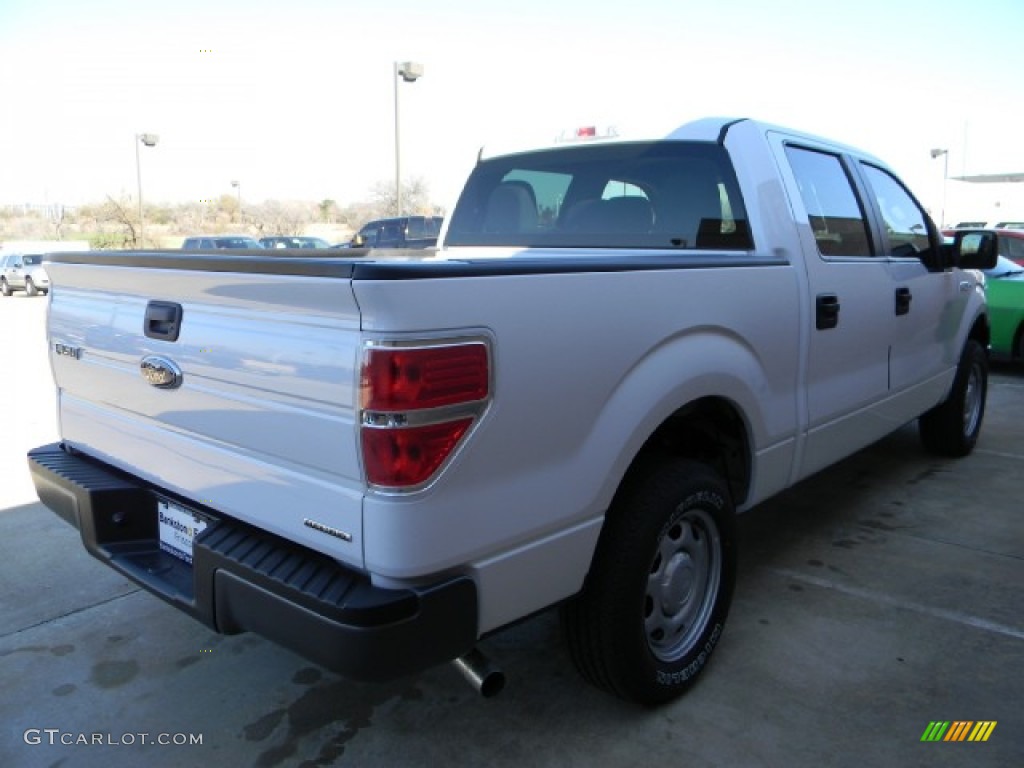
x=296 y=100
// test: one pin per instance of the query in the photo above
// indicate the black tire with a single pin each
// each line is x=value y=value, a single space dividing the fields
x=952 y=427
x=30 y=287
x=655 y=601
x=5 y=289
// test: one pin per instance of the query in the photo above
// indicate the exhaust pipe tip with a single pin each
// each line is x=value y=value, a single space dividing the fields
x=481 y=673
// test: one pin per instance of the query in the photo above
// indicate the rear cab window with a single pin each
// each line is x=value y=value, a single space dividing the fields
x=670 y=195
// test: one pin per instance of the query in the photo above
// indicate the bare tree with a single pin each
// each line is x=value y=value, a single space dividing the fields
x=121 y=214
x=57 y=215
x=114 y=222
x=278 y=218
x=328 y=210
x=415 y=199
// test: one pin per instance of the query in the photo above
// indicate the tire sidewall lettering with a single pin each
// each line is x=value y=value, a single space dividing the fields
x=694 y=667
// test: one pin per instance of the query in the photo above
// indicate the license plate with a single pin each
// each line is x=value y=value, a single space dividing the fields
x=178 y=528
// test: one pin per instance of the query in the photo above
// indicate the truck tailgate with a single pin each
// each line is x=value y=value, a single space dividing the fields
x=261 y=427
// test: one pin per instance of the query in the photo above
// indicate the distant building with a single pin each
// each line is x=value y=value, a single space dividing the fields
x=989 y=197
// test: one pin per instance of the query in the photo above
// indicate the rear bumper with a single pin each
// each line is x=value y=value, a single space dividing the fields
x=245 y=579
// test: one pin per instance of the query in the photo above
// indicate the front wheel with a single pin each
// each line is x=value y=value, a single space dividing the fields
x=30 y=287
x=655 y=602
x=952 y=427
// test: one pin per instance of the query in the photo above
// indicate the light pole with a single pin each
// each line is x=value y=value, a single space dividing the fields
x=410 y=72
x=238 y=188
x=150 y=140
x=944 y=154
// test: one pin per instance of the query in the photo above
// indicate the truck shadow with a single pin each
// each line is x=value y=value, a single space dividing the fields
x=545 y=698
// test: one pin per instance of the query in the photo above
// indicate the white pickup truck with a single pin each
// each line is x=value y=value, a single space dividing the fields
x=376 y=459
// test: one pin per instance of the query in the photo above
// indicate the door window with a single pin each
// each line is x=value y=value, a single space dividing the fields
x=906 y=227
x=833 y=209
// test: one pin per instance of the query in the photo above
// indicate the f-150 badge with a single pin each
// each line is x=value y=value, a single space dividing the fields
x=66 y=350
x=161 y=372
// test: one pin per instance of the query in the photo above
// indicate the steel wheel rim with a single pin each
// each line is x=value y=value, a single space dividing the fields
x=972 y=399
x=682 y=585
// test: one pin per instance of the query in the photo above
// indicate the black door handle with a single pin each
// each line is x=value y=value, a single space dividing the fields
x=163 y=320
x=903 y=298
x=826 y=311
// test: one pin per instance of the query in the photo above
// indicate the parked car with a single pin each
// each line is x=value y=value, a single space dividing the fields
x=23 y=272
x=1010 y=241
x=21 y=264
x=293 y=241
x=989 y=225
x=218 y=242
x=1004 y=289
x=399 y=232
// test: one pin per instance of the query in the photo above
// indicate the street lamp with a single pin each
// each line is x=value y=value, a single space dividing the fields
x=944 y=154
x=238 y=187
x=410 y=72
x=149 y=140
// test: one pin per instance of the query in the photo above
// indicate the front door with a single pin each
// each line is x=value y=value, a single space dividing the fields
x=930 y=300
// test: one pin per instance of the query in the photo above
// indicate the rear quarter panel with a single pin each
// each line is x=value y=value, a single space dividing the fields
x=586 y=366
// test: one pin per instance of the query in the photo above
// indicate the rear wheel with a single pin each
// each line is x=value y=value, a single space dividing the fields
x=658 y=593
x=5 y=289
x=952 y=427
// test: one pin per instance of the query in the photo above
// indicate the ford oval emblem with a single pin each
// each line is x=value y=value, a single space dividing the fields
x=160 y=372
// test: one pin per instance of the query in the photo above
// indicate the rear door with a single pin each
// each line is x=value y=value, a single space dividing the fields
x=851 y=295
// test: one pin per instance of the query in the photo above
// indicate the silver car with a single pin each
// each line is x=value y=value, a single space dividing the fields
x=23 y=272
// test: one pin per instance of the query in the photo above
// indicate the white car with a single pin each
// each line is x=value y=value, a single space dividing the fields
x=21 y=264
x=23 y=272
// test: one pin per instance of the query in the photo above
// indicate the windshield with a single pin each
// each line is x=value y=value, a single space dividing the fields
x=236 y=242
x=1004 y=268
x=664 y=195
x=31 y=260
x=294 y=242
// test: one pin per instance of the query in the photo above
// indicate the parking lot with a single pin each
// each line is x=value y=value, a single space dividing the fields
x=876 y=598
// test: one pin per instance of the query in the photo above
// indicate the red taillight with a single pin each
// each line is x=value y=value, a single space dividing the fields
x=404 y=378
x=418 y=402
x=397 y=458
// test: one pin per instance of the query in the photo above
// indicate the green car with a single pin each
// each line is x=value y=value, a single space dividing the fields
x=1004 y=288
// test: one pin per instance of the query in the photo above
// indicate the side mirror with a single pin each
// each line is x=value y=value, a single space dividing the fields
x=358 y=241
x=975 y=249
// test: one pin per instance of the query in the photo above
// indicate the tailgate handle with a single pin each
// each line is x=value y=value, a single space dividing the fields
x=163 y=320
